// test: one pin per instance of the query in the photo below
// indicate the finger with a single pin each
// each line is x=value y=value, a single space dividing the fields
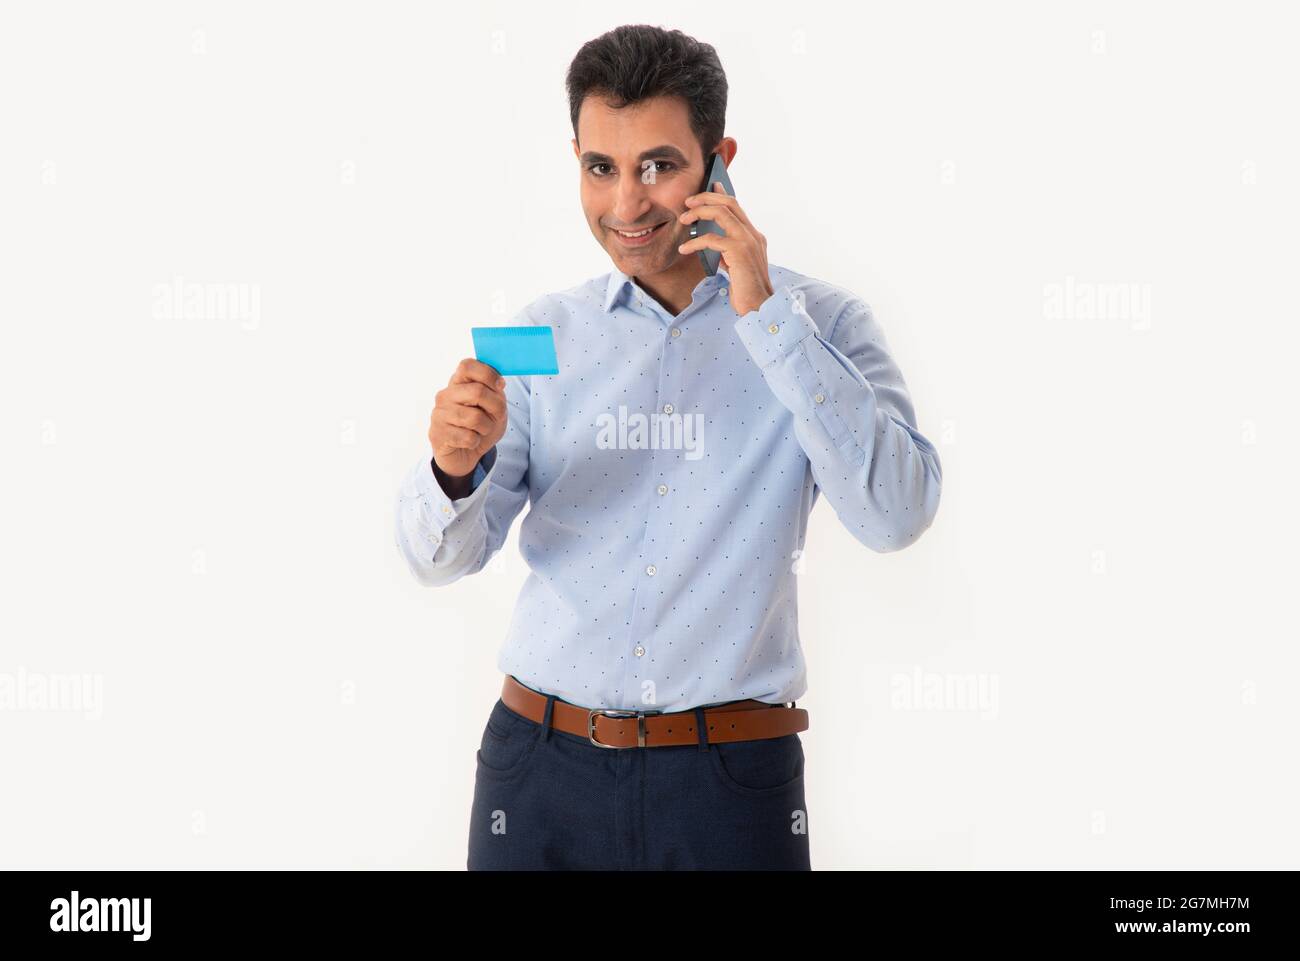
x=473 y=418
x=724 y=217
x=709 y=242
x=470 y=369
x=715 y=195
x=459 y=438
x=719 y=199
x=474 y=394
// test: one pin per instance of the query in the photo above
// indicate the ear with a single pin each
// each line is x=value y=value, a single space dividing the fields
x=726 y=149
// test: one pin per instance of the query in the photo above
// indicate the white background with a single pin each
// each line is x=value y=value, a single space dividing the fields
x=198 y=512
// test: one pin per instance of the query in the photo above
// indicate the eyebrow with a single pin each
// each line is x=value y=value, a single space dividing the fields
x=654 y=153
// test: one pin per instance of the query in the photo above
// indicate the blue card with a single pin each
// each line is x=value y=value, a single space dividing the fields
x=516 y=350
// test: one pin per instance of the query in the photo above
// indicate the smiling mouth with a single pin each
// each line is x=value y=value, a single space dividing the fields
x=639 y=234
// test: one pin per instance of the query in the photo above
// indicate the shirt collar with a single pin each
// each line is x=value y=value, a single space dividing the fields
x=619 y=281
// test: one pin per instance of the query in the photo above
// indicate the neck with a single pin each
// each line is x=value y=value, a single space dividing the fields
x=673 y=287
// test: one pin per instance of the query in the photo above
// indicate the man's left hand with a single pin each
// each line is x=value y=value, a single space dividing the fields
x=743 y=249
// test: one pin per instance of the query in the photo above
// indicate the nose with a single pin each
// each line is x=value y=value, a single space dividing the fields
x=631 y=200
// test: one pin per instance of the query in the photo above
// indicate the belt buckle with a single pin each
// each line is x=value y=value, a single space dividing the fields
x=614 y=712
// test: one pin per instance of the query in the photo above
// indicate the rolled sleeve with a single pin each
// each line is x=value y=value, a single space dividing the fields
x=440 y=511
x=439 y=536
x=776 y=328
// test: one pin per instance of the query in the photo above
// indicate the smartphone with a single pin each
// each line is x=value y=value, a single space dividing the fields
x=717 y=171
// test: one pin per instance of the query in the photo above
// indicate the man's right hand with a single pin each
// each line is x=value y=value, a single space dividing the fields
x=469 y=417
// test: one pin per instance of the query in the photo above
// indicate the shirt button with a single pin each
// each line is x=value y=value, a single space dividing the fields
x=819 y=398
x=650 y=569
x=663 y=488
x=676 y=332
x=668 y=408
x=639 y=650
x=773 y=329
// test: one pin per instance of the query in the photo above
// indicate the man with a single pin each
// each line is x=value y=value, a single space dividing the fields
x=647 y=718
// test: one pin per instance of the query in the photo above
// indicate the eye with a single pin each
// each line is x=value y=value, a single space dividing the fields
x=664 y=167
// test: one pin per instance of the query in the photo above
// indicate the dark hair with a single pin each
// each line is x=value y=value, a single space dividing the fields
x=632 y=63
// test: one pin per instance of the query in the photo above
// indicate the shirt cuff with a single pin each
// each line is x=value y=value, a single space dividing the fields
x=775 y=328
x=442 y=510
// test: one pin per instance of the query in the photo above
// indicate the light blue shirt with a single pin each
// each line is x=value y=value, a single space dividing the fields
x=663 y=550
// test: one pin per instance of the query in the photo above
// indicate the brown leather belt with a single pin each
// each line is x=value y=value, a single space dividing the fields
x=747 y=720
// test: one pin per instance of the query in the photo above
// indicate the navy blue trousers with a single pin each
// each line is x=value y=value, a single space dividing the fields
x=545 y=799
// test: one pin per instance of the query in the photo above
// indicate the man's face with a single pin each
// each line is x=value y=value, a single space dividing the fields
x=637 y=167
